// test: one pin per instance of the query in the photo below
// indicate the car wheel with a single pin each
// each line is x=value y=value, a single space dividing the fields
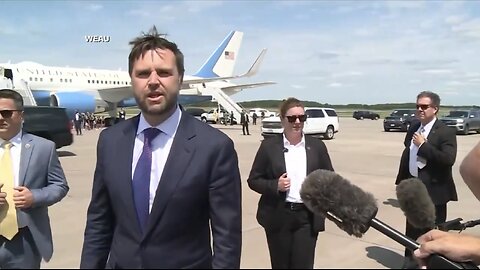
x=330 y=133
x=466 y=130
x=361 y=117
x=386 y=129
x=204 y=119
x=376 y=117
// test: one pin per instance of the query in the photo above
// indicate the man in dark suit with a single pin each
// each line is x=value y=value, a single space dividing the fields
x=277 y=173
x=32 y=179
x=429 y=154
x=244 y=121
x=164 y=183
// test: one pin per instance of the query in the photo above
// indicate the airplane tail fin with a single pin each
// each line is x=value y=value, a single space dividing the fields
x=222 y=61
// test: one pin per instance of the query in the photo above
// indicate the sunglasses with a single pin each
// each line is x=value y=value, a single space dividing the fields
x=293 y=118
x=6 y=114
x=423 y=106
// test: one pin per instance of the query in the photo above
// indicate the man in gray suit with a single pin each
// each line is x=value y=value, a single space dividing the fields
x=35 y=181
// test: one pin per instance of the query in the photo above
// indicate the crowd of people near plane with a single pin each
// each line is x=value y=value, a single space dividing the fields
x=87 y=121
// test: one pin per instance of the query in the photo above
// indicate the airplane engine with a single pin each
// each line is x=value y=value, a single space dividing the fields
x=73 y=101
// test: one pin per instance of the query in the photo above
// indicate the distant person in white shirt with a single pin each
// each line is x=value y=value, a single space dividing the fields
x=277 y=173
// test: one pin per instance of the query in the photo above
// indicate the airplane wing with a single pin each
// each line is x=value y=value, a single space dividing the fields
x=230 y=90
x=251 y=72
x=116 y=94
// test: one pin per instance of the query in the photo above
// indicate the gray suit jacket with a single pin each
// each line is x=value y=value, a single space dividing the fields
x=42 y=174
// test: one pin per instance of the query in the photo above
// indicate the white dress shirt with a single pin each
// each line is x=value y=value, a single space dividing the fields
x=296 y=165
x=15 y=152
x=416 y=161
x=161 y=146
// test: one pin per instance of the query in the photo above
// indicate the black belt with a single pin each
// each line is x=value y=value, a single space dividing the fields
x=292 y=206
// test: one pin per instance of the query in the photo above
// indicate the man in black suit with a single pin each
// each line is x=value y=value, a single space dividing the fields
x=244 y=121
x=429 y=154
x=166 y=189
x=278 y=171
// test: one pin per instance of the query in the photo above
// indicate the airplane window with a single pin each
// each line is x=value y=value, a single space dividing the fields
x=36 y=78
x=97 y=81
x=30 y=78
x=88 y=81
x=51 y=79
x=61 y=80
x=41 y=79
x=70 y=80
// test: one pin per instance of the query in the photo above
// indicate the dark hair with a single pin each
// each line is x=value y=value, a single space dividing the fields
x=15 y=96
x=152 y=41
x=288 y=104
x=435 y=98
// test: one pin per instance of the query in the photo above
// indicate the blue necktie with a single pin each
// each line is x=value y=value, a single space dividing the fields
x=141 y=178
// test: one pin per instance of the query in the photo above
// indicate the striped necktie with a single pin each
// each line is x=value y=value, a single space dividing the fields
x=8 y=213
x=421 y=162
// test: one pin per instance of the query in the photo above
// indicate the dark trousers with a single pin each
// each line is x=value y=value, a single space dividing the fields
x=20 y=252
x=293 y=245
x=78 y=127
x=414 y=233
x=245 y=127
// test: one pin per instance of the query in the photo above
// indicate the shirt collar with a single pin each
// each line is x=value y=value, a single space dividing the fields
x=16 y=140
x=429 y=125
x=287 y=144
x=169 y=126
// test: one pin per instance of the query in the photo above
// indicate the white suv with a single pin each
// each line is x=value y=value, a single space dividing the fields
x=320 y=121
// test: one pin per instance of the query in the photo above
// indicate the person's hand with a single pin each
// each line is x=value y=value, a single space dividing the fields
x=418 y=139
x=454 y=246
x=3 y=196
x=22 y=197
x=283 y=183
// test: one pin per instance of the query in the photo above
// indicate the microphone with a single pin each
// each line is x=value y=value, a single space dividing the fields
x=353 y=210
x=416 y=203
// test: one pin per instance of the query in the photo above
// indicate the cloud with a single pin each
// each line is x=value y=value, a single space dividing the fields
x=297 y=86
x=469 y=28
x=437 y=71
x=335 y=84
x=94 y=7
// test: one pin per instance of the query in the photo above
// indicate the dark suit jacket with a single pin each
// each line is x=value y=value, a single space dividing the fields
x=440 y=151
x=269 y=165
x=200 y=184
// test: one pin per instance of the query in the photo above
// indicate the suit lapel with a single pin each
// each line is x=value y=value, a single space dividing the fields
x=25 y=155
x=181 y=153
x=279 y=156
x=124 y=157
x=311 y=155
x=433 y=132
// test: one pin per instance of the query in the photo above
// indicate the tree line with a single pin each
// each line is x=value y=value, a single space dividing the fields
x=275 y=104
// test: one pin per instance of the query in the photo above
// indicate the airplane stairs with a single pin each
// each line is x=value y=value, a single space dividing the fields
x=224 y=100
x=23 y=89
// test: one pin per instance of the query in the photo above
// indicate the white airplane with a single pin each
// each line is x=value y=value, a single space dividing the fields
x=84 y=89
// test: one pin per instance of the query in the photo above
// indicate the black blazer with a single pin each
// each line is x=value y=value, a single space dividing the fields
x=269 y=165
x=200 y=187
x=440 y=151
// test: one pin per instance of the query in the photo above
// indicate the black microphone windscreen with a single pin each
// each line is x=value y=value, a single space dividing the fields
x=329 y=194
x=416 y=203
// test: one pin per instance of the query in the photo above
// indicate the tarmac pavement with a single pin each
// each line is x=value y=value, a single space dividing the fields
x=361 y=152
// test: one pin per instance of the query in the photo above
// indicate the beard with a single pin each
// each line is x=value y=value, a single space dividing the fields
x=162 y=108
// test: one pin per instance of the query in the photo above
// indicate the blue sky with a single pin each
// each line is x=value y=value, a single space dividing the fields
x=333 y=52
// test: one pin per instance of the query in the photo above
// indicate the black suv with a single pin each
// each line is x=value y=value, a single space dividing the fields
x=51 y=123
x=400 y=119
x=360 y=115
